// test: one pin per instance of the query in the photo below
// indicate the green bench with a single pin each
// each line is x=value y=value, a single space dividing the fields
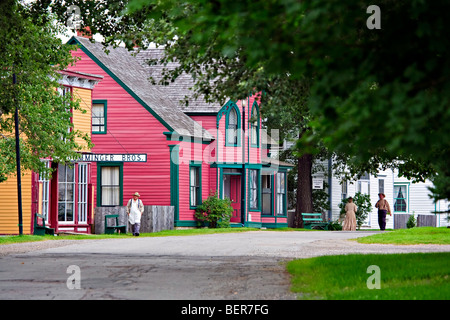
x=39 y=230
x=314 y=222
x=112 y=229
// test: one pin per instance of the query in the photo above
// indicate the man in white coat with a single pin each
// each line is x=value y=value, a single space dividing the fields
x=135 y=209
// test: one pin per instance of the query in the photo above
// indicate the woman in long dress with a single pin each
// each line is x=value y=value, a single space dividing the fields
x=350 y=216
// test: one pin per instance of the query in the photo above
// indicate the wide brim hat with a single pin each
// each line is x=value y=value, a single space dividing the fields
x=136 y=194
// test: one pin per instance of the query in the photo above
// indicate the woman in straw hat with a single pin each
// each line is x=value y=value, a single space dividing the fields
x=350 y=216
x=135 y=209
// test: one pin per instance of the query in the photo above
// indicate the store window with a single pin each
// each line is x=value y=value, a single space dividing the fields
x=110 y=188
x=66 y=192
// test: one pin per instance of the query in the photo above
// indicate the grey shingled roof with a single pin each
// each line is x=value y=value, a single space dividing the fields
x=134 y=76
x=178 y=89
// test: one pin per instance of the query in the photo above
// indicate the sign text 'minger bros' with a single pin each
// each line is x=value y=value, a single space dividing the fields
x=106 y=157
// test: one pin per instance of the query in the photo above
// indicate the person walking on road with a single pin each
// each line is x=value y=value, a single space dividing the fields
x=350 y=216
x=135 y=209
x=383 y=209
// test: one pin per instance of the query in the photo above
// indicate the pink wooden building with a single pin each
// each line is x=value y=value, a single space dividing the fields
x=145 y=141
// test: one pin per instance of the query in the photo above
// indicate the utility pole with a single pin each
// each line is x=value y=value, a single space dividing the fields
x=19 y=176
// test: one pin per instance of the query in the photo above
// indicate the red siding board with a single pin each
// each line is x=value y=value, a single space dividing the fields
x=130 y=129
x=133 y=129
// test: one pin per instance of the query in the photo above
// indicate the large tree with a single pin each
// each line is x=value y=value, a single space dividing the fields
x=376 y=93
x=377 y=96
x=31 y=51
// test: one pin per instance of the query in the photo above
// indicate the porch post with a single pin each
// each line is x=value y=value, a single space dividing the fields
x=243 y=180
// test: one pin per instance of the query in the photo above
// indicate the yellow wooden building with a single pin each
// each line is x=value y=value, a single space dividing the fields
x=65 y=200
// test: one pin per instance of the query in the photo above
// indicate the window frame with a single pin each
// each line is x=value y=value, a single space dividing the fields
x=101 y=165
x=83 y=191
x=105 y=111
x=198 y=169
x=406 y=199
x=238 y=127
x=277 y=188
x=380 y=185
x=63 y=185
x=67 y=91
x=45 y=183
x=258 y=190
x=344 y=189
x=254 y=125
x=270 y=178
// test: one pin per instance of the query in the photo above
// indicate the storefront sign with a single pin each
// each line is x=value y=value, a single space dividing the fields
x=106 y=157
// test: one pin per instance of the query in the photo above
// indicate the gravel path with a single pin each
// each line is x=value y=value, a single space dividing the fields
x=24 y=247
x=236 y=266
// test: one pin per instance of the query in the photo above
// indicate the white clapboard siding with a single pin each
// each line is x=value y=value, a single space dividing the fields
x=419 y=201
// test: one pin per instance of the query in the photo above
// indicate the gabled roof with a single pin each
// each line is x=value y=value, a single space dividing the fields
x=180 y=88
x=126 y=70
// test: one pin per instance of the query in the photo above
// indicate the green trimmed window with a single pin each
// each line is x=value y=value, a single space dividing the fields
x=254 y=189
x=99 y=116
x=110 y=184
x=266 y=194
x=195 y=185
x=254 y=129
x=281 y=193
x=232 y=128
x=401 y=198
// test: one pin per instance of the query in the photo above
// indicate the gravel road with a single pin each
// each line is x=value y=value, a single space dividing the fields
x=236 y=266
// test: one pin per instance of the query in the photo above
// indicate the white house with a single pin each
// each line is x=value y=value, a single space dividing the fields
x=404 y=197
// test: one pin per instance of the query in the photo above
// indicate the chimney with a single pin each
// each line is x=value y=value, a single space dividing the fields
x=85 y=33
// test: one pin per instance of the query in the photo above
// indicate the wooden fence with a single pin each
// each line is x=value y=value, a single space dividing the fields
x=400 y=220
x=426 y=220
x=422 y=220
x=154 y=218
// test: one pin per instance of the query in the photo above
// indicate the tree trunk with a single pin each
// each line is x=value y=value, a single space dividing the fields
x=304 y=189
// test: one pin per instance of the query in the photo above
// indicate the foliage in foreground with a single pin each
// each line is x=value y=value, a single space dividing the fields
x=31 y=51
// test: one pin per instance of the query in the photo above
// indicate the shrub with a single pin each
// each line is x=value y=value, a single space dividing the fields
x=215 y=212
x=335 y=225
x=411 y=223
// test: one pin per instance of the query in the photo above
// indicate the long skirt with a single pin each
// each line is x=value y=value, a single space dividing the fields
x=349 y=222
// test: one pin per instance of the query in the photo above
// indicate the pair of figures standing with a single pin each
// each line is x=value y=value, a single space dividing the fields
x=135 y=209
x=351 y=209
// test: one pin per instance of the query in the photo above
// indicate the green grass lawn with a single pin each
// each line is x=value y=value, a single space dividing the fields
x=422 y=235
x=421 y=276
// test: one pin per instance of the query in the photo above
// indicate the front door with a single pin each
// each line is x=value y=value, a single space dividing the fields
x=232 y=190
x=235 y=193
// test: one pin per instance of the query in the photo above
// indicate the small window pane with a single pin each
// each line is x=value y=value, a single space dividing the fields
x=110 y=186
x=98 y=117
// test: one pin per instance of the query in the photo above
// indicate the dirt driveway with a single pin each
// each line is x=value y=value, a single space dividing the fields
x=242 y=266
